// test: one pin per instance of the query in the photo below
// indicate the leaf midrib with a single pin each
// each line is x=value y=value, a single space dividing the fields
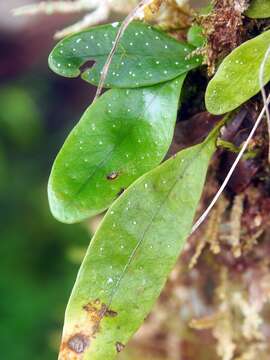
x=137 y=247
x=107 y=157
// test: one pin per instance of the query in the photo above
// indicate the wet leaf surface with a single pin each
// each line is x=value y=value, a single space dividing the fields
x=124 y=134
x=237 y=78
x=132 y=253
x=145 y=56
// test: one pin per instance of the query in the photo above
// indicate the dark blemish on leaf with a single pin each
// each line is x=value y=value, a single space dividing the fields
x=78 y=343
x=97 y=311
x=121 y=191
x=111 y=313
x=119 y=347
x=112 y=176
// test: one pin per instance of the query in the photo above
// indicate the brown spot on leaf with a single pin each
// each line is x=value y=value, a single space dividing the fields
x=78 y=343
x=119 y=347
x=111 y=313
x=112 y=176
x=97 y=311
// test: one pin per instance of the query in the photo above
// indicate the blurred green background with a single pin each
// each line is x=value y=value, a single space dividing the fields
x=39 y=256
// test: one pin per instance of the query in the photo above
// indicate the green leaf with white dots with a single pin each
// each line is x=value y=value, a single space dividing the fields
x=258 y=9
x=237 y=78
x=124 y=134
x=145 y=56
x=131 y=255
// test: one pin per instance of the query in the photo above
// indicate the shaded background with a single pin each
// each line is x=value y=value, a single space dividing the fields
x=39 y=256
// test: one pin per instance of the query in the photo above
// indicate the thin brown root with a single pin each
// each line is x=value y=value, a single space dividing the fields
x=198 y=251
x=211 y=235
x=235 y=223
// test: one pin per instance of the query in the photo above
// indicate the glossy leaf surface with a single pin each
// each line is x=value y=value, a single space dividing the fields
x=124 y=134
x=145 y=56
x=237 y=78
x=131 y=255
x=259 y=9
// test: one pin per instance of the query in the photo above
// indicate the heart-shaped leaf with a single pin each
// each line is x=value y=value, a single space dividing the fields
x=258 y=9
x=131 y=255
x=124 y=134
x=145 y=56
x=237 y=78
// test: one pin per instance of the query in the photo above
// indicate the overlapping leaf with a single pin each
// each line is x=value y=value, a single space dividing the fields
x=259 y=9
x=131 y=255
x=237 y=78
x=145 y=56
x=124 y=134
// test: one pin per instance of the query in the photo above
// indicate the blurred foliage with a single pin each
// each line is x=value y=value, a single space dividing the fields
x=38 y=265
x=20 y=120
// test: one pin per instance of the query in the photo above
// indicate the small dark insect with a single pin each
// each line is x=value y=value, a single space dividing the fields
x=112 y=176
x=119 y=347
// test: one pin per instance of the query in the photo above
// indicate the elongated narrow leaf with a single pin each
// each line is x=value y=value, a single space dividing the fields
x=131 y=255
x=237 y=78
x=124 y=134
x=258 y=9
x=145 y=56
